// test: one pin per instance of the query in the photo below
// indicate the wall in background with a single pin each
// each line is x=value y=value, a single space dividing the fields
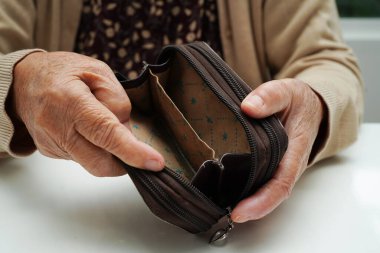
x=361 y=30
x=359 y=8
x=363 y=35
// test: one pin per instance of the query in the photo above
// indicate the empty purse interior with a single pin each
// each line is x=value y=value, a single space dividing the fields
x=176 y=113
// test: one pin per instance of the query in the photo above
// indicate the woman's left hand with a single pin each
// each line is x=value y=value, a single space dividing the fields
x=301 y=112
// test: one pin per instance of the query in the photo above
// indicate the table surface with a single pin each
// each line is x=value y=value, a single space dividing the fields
x=49 y=205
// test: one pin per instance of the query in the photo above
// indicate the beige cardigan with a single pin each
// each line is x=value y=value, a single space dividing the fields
x=262 y=39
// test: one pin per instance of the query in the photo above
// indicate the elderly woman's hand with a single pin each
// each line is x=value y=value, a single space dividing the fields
x=301 y=112
x=74 y=108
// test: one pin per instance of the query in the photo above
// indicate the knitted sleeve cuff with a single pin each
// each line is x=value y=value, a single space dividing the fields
x=7 y=129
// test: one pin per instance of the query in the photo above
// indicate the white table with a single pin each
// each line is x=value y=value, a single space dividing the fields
x=51 y=205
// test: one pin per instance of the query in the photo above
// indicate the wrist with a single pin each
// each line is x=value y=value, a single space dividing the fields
x=23 y=72
x=321 y=136
x=21 y=143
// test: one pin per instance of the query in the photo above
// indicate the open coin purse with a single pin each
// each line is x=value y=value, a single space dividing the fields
x=187 y=106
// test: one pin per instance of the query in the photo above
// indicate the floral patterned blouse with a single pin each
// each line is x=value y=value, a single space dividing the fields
x=124 y=33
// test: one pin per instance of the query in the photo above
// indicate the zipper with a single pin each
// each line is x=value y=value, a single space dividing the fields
x=197 y=193
x=219 y=237
x=275 y=146
x=169 y=204
x=216 y=61
x=238 y=114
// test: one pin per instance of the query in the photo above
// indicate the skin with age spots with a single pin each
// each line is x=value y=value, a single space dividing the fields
x=78 y=111
x=93 y=112
x=301 y=111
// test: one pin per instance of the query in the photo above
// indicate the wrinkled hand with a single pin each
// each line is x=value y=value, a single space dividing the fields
x=74 y=108
x=301 y=112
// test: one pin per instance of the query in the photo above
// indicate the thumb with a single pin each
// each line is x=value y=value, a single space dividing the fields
x=267 y=99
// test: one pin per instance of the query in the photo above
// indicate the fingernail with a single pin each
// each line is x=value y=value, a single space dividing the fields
x=153 y=165
x=240 y=219
x=254 y=101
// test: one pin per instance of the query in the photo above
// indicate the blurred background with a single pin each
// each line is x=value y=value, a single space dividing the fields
x=361 y=30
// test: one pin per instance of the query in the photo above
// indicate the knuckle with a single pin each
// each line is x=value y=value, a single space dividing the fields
x=101 y=67
x=104 y=131
x=122 y=109
x=282 y=84
x=286 y=187
x=128 y=107
x=273 y=91
x=283 y=88
x=126 y=104
x=266 y=94
x=99 y=127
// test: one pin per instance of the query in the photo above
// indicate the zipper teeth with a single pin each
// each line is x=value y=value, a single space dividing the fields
x=189 y=217
x=241 y=94
x=171 y=205
x=215 y=60
x=275 y=143
x=251 y=139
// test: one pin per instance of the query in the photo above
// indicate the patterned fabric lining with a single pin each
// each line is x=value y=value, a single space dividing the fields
x=124 y=33
x=177 y=114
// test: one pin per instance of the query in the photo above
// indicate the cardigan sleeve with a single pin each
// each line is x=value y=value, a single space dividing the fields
x=16 y=35
x=304 y=41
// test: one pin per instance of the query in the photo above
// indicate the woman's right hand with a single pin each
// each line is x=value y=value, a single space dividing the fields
x=74 y=108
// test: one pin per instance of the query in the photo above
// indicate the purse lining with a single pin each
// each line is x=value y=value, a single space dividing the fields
x=176 y=113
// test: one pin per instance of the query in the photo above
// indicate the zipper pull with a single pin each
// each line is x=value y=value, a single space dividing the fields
x=219 y=238
x=145 y=65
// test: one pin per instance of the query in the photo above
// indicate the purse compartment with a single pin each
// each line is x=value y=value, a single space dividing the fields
x=156 y=121
x=210 y=118
x=178 y=114
x=217 y=125
x=179 y=99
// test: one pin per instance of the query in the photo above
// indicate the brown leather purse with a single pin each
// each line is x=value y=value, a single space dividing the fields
x=187 y=106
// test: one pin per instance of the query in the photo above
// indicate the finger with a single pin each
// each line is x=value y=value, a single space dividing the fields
x=95 y=160
x=110 y=93
x=269 y=98
x=263 y=201
x=275 y=191
x=98 y=125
